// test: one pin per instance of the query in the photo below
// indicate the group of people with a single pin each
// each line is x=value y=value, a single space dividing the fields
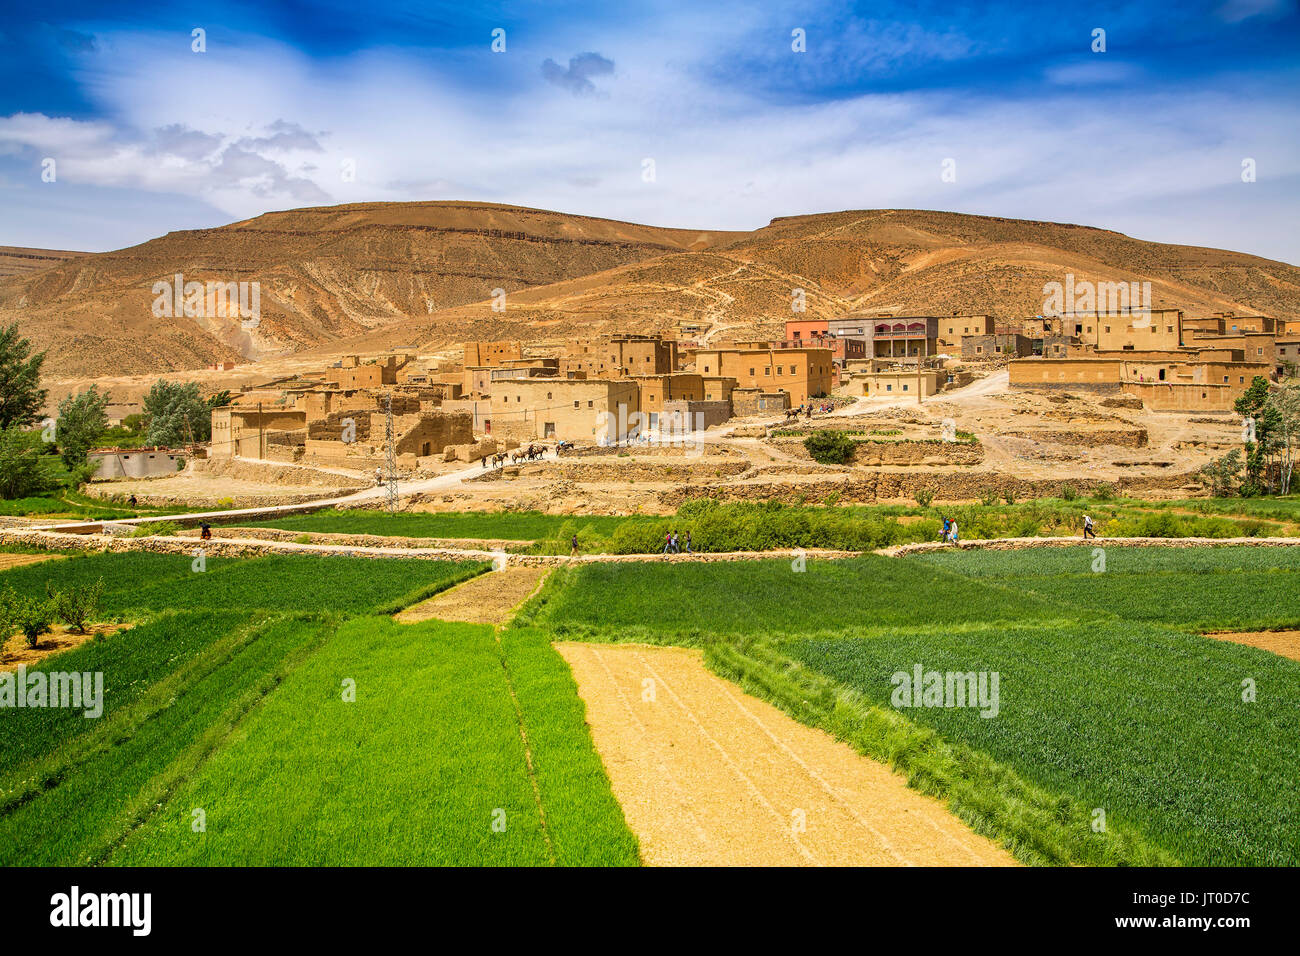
x=674 y=546
x=950 y=531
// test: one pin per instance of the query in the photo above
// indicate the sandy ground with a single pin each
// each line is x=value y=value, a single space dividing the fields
x=8 y=561
x=1283 y=643
x=15 y=651
x=490 y=598
x=710 y=776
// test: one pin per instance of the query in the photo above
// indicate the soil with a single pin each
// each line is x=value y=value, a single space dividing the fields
x=490 y=598
x=8 y=561
x=15 y=650
x=1283 y=643
x=709 y=776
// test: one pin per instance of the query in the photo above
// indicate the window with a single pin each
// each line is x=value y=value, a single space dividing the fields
x=768 y=370
x=1225 y=380
x=979 y=348
x=590 y=405
x=1161 y=375
x=1108 y=330
x=751 y=371
x=575 y=403
x=1241 y=379
x=548 y=396
x=905 y=388
x=889 y=388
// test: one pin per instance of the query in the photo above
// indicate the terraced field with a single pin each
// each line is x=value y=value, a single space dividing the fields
x=1120 y=733
x=283 y=719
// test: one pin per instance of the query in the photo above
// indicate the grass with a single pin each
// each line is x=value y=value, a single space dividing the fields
x=1106 y=701
x=668 y=601
x=235 y=707
x=426 y=766
x=139 y=583
x=1195 y=589
x=504 y=525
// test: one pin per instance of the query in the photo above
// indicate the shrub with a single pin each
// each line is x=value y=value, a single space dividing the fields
x=30 y=615
x=76 y=605
x=302 y=539
x=924 y=496
x=21 y=474
x=989 y=499
x=1009 y=497
x=1103 y=492
x=1068 y=492
x=161 y=528
x=830 y=447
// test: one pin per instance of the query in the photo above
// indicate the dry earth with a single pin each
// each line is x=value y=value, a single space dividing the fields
x=490 y=598
x=709 y=776
x=8 y=561
x=16 y=651
x=1283 y=643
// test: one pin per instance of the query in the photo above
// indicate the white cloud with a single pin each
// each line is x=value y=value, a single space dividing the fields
x=252 y=125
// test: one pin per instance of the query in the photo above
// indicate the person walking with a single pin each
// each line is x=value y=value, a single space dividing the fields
x=668 y=541
x=1087 y=528
x=573 y=547
x=946 y=529
x=688 y=542
x=205 y=531
x=952 y=532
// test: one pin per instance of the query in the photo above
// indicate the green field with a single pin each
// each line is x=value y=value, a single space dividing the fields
x=760 y=526
x=230 y=734
x=1109 y=699
x=235 y=707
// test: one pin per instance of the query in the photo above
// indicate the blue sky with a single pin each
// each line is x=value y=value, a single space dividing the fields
x=297 y=104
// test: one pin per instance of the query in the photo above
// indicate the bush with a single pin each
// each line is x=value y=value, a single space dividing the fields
x=164 y=529
x=924 y=496
x=1103 y=492
x=32 y=616
x=830 y=447
x=76 y=605
x=21 y=474
x=1009 y=497
x=989 y=499
x=1068 y=492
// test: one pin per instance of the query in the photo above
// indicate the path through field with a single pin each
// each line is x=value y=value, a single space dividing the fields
x=710 y=776
x=490 y=598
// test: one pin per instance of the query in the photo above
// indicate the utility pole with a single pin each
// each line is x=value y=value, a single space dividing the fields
x=925 y=347
x=390 y=454
x=261 y=433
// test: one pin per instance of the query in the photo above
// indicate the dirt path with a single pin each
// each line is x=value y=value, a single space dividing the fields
x=1283 y=643
x=490 y=598
x=8 y=561
x=709 y=776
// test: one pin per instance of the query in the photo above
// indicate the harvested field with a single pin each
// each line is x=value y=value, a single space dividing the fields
x=708 y=775
x=8 y=561
x=1284 y=643
x=15 y=651
x=490 y=598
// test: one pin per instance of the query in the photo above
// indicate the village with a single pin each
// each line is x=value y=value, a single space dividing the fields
x=1147 y=393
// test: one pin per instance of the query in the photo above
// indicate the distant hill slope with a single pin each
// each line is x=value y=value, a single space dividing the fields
x=16 y=260
x=382 y=275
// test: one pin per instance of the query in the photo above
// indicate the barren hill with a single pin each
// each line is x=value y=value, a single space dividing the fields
x=383 y=275
x=323 y=274
x=16 y=260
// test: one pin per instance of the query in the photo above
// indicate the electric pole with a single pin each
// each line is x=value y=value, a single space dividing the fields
x=390 y=454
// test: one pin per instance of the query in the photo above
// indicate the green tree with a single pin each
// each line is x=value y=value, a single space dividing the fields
x=1254 y=404
x=1221 y=474
x=21 y=395
x=220 y=399
x=177 y=414
x=21 y=474
x=82 y=420
x=830 y=447
x=1284 y=401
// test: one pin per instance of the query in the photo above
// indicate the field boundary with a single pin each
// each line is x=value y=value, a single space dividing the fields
x=246 y=547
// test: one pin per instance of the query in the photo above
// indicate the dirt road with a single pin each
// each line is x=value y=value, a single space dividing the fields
x=490 y=598
x=710 y=776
